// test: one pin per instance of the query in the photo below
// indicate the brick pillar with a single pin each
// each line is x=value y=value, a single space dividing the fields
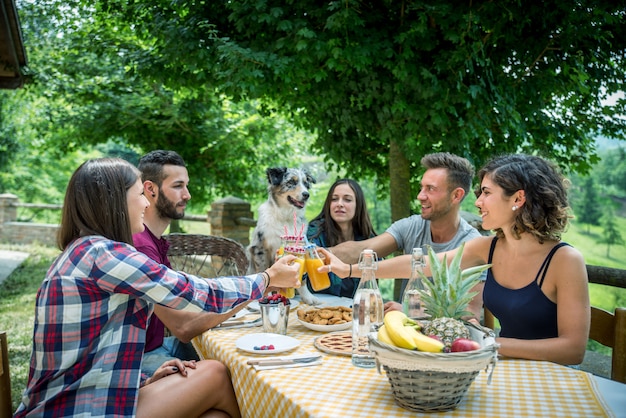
x=8 y=211
x=230 y=217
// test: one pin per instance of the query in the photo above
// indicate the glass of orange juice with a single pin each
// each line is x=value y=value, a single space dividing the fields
x=297 y=251
x=313 y=260
x=283 y=243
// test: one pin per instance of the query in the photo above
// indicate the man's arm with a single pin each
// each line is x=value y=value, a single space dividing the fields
x=349 y=251
x=186 y=325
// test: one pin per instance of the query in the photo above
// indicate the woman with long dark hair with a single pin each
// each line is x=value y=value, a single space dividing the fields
x=344 y=217
x=93 y=307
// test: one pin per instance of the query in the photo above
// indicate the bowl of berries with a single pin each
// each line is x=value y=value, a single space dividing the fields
x=274 y=313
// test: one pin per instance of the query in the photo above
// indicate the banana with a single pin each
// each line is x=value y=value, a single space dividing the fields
x=426 y=343
x=410 y=322
x=383 y=335
x=400 y=335
x=403 y=334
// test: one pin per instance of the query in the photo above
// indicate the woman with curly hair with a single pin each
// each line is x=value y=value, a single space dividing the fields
x=537 y=285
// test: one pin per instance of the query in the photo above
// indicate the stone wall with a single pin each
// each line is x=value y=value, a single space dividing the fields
x=29 y=233
x=231 y=217
x=14 y=232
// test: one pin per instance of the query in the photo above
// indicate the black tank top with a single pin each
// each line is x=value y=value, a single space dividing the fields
x=524 y=313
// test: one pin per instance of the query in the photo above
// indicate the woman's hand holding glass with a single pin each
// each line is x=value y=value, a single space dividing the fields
x=333 y=264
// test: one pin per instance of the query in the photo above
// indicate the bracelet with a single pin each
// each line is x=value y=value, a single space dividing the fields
x=350 y=274
x=267 y=279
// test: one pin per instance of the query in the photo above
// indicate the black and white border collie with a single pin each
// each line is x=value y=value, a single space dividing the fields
x=288 y=192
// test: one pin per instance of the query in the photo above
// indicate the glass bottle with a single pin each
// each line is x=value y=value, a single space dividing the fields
x=411 y=298
x=367 y=310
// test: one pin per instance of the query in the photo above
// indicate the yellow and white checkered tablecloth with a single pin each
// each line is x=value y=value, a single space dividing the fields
x=336 y=388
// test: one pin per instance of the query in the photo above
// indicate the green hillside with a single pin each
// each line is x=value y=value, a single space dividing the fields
x=594 y=253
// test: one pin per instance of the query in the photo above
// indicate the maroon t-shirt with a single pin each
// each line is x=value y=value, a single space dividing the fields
x=156 y=249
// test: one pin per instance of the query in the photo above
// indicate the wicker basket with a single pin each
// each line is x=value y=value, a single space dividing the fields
x=422 y=381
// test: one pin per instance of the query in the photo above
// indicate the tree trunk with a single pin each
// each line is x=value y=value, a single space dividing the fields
x=399 y=186
x=399 y=191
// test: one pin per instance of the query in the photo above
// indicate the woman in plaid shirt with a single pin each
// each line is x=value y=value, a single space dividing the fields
x=93 y=306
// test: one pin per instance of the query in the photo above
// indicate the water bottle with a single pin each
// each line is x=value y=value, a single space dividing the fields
x=411 y=298
x=367 y=311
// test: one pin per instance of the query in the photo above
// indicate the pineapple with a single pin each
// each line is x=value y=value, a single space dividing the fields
x=447 y=296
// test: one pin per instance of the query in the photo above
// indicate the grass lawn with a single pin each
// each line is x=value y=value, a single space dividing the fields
x=17 y=293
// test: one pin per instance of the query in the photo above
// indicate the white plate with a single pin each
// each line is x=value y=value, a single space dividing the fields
x=326 y=328
x=280 y=342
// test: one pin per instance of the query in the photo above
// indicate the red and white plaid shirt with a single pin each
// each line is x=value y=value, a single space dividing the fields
x=90 y=324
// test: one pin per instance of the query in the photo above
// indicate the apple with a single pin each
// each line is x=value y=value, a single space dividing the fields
x=464 y=344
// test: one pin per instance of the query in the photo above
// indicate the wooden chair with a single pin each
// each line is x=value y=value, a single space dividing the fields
x=609 y=329
x=6 y=408
x=488 y=319
x=206 y=255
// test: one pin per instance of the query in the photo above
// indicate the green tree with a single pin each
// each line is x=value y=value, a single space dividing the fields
x=587 y=204
x=610 y=234
x=382 y=83
x=86 y=89
x=612 y=170
x=8 y=144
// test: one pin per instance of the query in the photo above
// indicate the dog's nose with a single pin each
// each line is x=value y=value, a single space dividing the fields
x=305 y=196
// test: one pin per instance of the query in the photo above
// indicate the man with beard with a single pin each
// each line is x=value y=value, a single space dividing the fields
x=445 y=183
x=165 y=180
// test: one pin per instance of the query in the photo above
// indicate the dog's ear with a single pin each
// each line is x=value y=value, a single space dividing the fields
x=275 y=175
x=309 y=177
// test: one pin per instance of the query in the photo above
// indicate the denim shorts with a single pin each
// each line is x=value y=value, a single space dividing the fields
x=170 y=349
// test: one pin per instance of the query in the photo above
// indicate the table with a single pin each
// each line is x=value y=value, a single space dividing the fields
x=336 y=388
